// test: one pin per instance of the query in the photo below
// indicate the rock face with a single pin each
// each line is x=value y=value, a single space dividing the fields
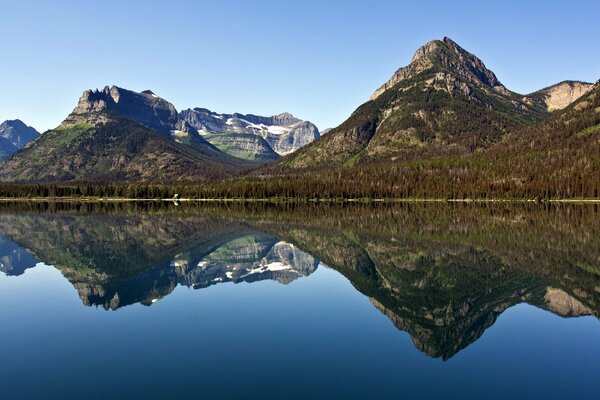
x=563 y=304
x=446 y=102
x=15 y=135
x=559 y=96
x=240 y=135
x=146 y=107
x=449 y=55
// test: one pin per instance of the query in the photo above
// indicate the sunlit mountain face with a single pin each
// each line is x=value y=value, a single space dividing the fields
x=442 y=273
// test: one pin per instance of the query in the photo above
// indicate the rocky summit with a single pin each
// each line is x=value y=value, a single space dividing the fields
x=146 y=108
x=446 y=55
x=252 y=136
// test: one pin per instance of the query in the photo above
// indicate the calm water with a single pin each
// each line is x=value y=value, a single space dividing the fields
x=412 y=301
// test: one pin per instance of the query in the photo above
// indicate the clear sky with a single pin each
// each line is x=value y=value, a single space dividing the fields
x=317 y=59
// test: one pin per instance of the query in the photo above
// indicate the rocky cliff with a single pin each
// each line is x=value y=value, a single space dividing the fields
x=117 y=134
x=146 y=108
x=559 y=96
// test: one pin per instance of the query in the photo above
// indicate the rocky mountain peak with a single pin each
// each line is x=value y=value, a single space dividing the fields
x=146 y=108
x=445 y=58
x=285 y=118
x=17 y=132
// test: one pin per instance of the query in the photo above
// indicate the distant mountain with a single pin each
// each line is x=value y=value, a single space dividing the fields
x=446 y=102
x=558 y=96
x=250 y=136
x=120 y=135
x=14 y=135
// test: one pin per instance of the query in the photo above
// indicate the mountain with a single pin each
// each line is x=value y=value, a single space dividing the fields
x=558 y=96
x=14 y=135
x=250 y=136
x=446 y=102
x=120 y=135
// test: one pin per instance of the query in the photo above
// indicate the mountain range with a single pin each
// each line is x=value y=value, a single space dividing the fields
x=117 y=134
x=251 y=136
x=442 y=126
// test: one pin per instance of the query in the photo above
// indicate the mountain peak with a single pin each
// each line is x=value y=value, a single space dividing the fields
x=17 y=132
x=146 y=107
x=445 y=57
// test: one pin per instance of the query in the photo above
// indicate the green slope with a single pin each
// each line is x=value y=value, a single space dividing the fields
x=118 y=150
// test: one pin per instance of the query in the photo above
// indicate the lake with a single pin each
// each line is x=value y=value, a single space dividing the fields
x=233 y=301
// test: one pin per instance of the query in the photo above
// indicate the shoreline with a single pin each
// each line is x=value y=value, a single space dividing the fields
x=282 y=200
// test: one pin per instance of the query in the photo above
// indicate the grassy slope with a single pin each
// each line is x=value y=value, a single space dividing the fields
x=242 y=145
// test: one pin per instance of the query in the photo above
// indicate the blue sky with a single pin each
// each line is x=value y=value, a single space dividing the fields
x=318 y=60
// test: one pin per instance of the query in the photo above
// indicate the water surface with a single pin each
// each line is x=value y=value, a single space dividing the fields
x=205 y=301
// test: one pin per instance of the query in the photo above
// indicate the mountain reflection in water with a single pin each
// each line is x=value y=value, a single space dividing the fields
x=442 y=273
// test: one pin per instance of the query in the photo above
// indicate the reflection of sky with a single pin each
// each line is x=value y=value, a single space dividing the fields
x=316 y=337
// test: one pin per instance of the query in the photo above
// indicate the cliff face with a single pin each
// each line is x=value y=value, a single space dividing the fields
x=146 y=108
x=559 y=96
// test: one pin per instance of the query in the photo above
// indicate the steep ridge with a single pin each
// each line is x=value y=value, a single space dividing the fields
x=445 y=102
x=558 y=96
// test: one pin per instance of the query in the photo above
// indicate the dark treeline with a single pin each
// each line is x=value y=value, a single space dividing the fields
x=440 y=179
